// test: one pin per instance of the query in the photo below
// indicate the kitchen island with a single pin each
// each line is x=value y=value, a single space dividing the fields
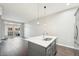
x=42 y=46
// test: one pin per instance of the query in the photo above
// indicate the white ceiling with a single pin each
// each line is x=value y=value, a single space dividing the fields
x=29 y=11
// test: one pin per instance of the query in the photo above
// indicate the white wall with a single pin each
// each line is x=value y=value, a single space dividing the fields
x=60 y=25
x=1 y=24
x=1 y=28
x=26 y=30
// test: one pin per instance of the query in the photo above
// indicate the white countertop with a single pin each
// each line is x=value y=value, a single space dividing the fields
x=39 y=40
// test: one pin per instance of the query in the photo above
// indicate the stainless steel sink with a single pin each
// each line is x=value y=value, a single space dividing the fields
x=48 y=39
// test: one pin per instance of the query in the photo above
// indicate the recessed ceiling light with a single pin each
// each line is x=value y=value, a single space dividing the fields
x=67 y=4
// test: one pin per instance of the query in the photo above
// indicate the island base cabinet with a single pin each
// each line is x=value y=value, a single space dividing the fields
x=37 y=50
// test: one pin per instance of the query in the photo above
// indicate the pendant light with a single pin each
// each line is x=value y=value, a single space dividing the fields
x=38 y=15
x=38 y=22
x=45 y=13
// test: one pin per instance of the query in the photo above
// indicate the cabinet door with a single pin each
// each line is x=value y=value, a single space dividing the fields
x=54 y=47
x=49 y=51
x=35 y=50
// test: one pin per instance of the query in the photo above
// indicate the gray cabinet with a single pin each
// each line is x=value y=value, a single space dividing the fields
x=37 y=50
x=51 y=49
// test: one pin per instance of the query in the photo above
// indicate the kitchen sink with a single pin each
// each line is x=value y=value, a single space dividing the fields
x=48 y=39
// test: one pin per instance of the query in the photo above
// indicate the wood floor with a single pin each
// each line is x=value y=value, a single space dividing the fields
x=64 y=51
x=18 y=47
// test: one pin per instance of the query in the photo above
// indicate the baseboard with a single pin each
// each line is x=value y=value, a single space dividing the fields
x=65 y=46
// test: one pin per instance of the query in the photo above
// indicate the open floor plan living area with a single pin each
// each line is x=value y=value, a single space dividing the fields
x=39 y=29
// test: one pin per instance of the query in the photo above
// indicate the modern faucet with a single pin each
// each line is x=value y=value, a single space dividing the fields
x=45 y=33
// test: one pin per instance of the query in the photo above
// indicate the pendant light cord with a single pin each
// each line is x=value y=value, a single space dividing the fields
x=44 y=10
